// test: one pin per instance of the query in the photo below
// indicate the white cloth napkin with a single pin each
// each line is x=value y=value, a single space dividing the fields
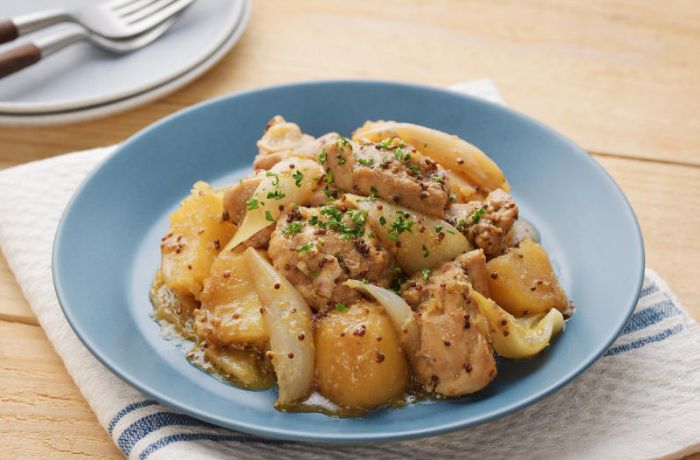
x=641 y=400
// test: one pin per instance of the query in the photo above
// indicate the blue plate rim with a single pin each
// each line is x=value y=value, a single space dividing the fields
x=342 y=438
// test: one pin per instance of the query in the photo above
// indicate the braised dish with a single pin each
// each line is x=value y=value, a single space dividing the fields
x=356 y=273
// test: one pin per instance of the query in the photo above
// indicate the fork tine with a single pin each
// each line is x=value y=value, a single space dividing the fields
x=133 y=7
x=116 y=4
x=153 y=7
x=157 y=16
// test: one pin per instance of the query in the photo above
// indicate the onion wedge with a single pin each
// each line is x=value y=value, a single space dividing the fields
x=415 y=239
x=518 y=338
x=289 y=323
x=448 y=150
x=282 y=186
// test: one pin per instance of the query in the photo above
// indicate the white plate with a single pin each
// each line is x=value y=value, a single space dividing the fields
x=82 y=81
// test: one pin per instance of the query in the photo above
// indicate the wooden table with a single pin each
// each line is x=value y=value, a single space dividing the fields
x=620 y=78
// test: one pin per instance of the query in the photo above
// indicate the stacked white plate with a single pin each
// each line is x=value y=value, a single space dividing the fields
x=83 y=82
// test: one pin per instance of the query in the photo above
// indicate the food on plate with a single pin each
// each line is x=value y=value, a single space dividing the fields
x=357 y=273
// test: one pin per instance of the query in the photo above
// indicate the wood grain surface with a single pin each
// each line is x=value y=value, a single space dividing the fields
x=618 y=77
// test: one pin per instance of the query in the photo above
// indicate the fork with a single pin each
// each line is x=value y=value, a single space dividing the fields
x=30 y=53
x=114 y=19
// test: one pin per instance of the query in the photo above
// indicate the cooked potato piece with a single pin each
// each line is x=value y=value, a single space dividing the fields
x=173 y=308
x=197 y=233
x=416 y=240
x=518 y=338
x=248 y=369
x=523 y=283
x=359 y=361
x=449 y=151
x=230 y=312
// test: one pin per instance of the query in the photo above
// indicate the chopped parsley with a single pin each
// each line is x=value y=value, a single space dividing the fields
x=329 y=194
x=305 y=248
x=366 y=162
x=476 y=215
x=341 y=307
x=276 y=195
x=437 y=178
x=298 y=177
x=268 y=216
x=323 y=156
x=402 y=223
x=276 y=179
x=341 y=159
x=343 y=141
x=382 y=220
x=426 y=273
x=461 y=225
x=438 y=229
x=329 y=177
x=453 y=197
x=415 y=169
x=426 y=253
x=252 y=204
x=292 y=229
x=384 y=144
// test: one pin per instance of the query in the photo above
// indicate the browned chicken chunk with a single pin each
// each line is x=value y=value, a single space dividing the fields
x=317 y=249
x=390 y=170
x=454 y=357
x=486 y=223
x=282 y=139
x=474 y=265
x=235 y=208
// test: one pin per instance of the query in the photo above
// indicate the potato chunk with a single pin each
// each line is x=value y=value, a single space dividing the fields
x=523 y=283
x=359 y=361
x=230 y=313
x=197 y=233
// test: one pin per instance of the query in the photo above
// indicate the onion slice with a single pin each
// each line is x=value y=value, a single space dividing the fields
x=289 y=323
x=518 y=338
x=291 y=181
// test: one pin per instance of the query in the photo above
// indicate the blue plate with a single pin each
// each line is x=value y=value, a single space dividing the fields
x=107 y=248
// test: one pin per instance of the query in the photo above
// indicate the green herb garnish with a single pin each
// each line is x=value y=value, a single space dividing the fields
x=276 y=195
x=366 y=162
x=276 y=179
x=329 y=177
x=426 y=253
x=298 y=177
x=252 y=204
x=382 y=220
x=323 y=156
x=342 y=308
x=292 y=229
x=305 y=248
x=476 y=215
x=426 y=273
x=268 y=216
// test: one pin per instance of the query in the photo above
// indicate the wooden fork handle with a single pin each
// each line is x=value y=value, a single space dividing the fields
x=8 y=31
x=19 y=58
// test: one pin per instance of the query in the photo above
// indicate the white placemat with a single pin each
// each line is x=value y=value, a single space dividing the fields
x=641 y=400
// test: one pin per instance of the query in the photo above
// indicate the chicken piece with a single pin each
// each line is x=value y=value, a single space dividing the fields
x=283 y=139
x=391 y=170
x=454 y=357
x=474 y=265
x=317 y=249
x=235 y=208
x=486 y=223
